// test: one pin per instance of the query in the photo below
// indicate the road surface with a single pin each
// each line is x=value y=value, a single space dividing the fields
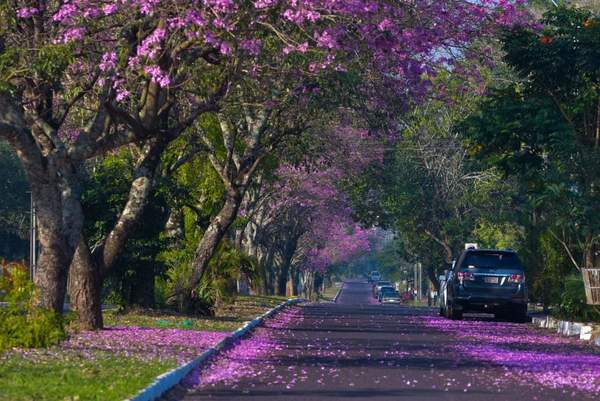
x=357 y=350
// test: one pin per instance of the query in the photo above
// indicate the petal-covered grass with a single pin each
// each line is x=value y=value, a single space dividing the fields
x=115 y=363
x=144 y=344
x=111 y=364
x=228 y=317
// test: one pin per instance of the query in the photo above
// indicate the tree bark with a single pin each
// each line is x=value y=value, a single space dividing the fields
x=89 y=269
x=214 y=234
x=295 y=281
x=56 y=195
x=288 y=255
x=85 y=288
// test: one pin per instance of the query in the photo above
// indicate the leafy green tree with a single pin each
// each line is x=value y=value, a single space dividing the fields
x=14 y=206
x=542 y=131
x=106 y=191
x=432 y=194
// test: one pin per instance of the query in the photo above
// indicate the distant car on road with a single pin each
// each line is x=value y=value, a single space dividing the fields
x=488 y=281
x=389 y=295
x=377 y=287
x=385 y=288
x=374 y=276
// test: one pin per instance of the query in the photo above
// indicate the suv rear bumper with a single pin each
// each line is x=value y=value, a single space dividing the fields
x=491 y=304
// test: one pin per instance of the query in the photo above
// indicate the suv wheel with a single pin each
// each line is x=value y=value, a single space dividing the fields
x=518 y=313
x=454 y=313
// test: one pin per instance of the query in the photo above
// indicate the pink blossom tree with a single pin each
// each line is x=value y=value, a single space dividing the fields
x=107 y=74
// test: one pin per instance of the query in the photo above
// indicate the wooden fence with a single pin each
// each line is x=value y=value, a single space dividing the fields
x=591 y=279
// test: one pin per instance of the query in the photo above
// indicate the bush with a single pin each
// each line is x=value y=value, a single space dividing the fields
x=573 y=304
x=218 y=285
x=22 y=323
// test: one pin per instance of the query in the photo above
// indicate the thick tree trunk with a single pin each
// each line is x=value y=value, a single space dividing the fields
x=51 y=272
x=269 y=274
x=85 y=287
x=261 y=287
x=88 y=270
x=295 y=281
x=214 y=234
x=309 y=285
x=59 y=228
x=284 y=275
x=432 y=274
x=56 y=194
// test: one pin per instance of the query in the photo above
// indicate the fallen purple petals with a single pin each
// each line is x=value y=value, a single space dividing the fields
x=246 y=358
x=145 y=344
x=527 y=355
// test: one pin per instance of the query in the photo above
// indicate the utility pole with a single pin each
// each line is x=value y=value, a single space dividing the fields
x=32 y=238
x=420 y=281
x=416 y=280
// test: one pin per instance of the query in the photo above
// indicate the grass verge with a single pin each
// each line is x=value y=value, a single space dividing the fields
x=86 y=374
x=72 y=378
x=228 y=317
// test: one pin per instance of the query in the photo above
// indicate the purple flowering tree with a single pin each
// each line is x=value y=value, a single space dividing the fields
x=386 y=46
x=299 y=222
x=108 y=74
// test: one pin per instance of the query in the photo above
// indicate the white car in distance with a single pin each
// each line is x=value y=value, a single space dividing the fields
x=374 y=276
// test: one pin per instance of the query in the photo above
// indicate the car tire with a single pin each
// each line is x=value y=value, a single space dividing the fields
x=518 y=314
x=455 y=313
x=444 y=307
x=500 y=315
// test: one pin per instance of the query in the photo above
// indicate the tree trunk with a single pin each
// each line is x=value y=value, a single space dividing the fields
x=214 y=234
x=433 y=277
x=261 y=287
x=56 y=194
x=51 y=272
x=295 y=276
x=59 y=225
x=269 y=273
x=283 y=277
x=85 y=288
x=589 y=252
x=86 y=279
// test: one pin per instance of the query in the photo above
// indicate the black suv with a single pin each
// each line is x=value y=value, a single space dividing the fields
x=486 y=280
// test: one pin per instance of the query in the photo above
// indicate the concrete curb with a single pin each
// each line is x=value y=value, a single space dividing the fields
x=168 y=380
x=584 y=331
x=337 y=295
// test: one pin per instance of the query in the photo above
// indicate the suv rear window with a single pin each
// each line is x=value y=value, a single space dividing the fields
x=491 y=260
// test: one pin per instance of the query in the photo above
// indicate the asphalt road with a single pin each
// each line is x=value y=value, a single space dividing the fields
x=357 y=350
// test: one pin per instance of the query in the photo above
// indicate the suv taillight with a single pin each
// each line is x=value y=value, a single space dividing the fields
x=466 y=276
x=516 y=278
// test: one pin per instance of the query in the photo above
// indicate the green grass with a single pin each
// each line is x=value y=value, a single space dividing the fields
x=64 y=375
x=414 y=302
x=60 y=378
x=330 y=293
x=228 y=317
